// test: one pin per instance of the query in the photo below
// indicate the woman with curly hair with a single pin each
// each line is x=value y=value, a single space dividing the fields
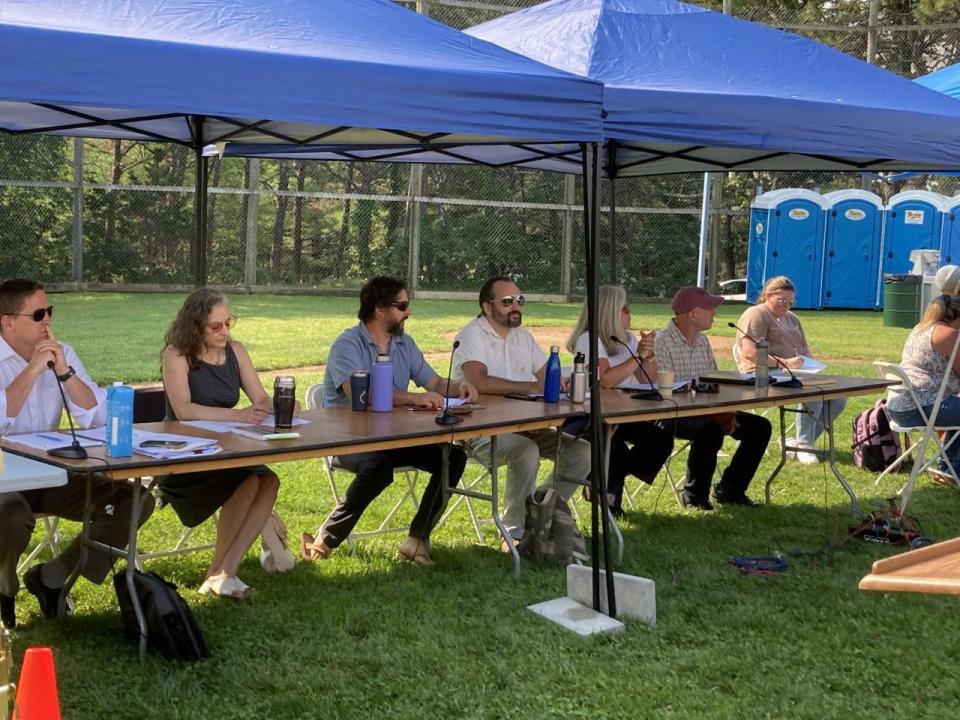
x=203 y=373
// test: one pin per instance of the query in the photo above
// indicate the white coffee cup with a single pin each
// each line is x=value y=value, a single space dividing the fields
x=665 y=382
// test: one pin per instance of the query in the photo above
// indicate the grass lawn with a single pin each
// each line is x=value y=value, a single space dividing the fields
x=366 y=636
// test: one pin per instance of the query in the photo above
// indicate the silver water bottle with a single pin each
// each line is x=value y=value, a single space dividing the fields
x=763 y=369
x=578 y=381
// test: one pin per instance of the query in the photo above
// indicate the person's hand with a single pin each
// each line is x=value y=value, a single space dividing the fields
x=793 y=363
x=647 y=343
x=468 y=392
x=565 y=384
x=46 y=350
x=726 y=421
x=252 y=415
x=426 y=400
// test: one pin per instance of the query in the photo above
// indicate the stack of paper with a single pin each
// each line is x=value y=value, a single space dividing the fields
x=51 y=440
x=163 y=446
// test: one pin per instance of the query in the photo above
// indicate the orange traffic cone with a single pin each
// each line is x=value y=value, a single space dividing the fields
x=37 y=690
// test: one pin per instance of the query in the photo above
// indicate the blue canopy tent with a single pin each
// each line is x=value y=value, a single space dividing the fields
x=945 y=80
x=357 y=73
x=688 y=89
x=289 y=72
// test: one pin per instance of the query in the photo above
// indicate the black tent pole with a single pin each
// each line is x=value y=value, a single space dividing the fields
x=612 y=225
x=198 y=246
x=598 y=485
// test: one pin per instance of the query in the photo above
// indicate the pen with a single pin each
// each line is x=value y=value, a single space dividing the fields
x=58 y=438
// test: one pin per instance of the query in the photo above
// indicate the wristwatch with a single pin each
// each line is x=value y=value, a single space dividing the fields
x=67 y=375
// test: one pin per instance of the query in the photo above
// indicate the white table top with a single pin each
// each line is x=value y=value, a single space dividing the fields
x=20 y=473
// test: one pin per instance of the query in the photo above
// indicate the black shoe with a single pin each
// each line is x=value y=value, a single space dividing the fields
x=47 y=597
x=8 y=612
x=697 y=504
x=719 y=496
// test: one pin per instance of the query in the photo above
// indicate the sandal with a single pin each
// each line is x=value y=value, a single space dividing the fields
x=415 y=550
x=312 y=549
x=227 y=586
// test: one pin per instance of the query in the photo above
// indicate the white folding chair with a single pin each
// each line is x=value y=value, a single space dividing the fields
x=50 y=541
x=928 y=430
x=314 y=398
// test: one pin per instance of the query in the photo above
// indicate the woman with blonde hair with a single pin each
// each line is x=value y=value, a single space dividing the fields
x=924 y=359
x=772 y=320
x=204 y=370
x=651 y=445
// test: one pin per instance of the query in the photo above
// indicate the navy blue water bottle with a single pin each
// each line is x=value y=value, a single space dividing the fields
x=551 y=382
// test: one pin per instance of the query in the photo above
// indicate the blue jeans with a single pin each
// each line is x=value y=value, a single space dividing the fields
x=812 y=422
x=949 y=415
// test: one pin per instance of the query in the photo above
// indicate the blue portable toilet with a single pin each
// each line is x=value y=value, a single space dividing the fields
x=851 y=255
x=786 y=238
x=914 y=222
x=950 y=234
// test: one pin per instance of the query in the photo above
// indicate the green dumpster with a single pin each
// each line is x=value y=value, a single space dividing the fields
x=901 y=300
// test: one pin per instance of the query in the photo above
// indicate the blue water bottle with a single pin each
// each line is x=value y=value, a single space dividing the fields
x=119 y=430
x=551 y=383
x=381 y=384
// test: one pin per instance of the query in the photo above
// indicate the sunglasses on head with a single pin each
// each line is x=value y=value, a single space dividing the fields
x=218 y=326
x=401 y=305
x=508 y=300
x=36 y=315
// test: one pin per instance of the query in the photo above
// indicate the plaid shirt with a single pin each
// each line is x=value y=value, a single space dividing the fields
x=687 y=361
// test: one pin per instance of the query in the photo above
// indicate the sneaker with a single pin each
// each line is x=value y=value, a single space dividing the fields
x=695 y=504
x=718 y=495
x=47 y=597
x=805 y=455
x=8 y=612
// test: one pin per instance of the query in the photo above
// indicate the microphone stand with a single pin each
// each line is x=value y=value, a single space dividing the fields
x=793 y=382
x=73 y=451
x=446 y=417
x=653 y=393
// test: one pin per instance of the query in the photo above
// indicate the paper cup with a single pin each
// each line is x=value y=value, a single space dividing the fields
x=665 y=382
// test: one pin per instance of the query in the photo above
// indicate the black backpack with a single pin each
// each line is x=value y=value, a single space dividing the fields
x=550 y=533
x=172 y=631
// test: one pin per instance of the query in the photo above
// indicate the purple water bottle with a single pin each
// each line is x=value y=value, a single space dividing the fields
x=381 y=384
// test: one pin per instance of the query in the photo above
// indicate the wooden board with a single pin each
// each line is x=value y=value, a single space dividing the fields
x=932 y=569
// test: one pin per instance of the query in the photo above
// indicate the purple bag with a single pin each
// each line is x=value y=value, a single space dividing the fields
x=875 y=445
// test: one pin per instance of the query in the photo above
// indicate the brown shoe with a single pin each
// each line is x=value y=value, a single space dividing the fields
x=942 y=478
x=506 y=548
x=312 y=549
x=415 y=550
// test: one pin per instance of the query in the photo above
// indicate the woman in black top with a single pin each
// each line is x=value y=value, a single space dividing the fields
x=203 y=373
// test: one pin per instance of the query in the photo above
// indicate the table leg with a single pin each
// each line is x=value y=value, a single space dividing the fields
x=82 y=555
x=130 y=570
x=832 y=455
x=608 y=437
x=783 y=454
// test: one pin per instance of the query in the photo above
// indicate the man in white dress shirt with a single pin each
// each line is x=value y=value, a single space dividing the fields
x=30 y=402
x=499 y=357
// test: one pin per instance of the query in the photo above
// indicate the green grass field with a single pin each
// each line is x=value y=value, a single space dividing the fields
x=366 y=636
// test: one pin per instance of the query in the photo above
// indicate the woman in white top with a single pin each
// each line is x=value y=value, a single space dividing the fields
x=772 y=320
x=651 y=445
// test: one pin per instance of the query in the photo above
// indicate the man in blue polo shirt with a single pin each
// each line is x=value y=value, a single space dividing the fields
x=384 y=308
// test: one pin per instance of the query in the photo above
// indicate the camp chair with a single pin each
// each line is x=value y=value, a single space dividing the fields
x=50 y=541
x=928 y=430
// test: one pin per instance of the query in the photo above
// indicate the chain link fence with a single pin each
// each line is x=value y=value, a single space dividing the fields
x=99 y=213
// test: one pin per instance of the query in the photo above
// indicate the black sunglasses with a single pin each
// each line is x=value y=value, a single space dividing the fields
x=401 y=306
x=508 y=300
x=37 y=314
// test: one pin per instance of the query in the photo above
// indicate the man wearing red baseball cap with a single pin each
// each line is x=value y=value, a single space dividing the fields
x=683 y=348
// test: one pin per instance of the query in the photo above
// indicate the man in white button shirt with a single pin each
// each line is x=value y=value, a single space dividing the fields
x=498 y=357
x=30 y=402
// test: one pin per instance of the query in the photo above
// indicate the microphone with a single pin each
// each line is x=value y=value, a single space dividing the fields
x=447 y=417
x=653 y=393
x=73 y=451
x=793 y=382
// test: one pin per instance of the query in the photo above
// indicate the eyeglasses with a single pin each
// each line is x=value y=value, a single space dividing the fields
x=401 y=306
x=508 y=300
x=216 y=327
x=36 y=315
x=784 y=303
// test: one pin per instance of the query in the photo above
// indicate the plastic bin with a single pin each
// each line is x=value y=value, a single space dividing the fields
x=901 y=300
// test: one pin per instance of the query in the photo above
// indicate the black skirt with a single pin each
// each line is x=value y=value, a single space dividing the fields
x=197 y=496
